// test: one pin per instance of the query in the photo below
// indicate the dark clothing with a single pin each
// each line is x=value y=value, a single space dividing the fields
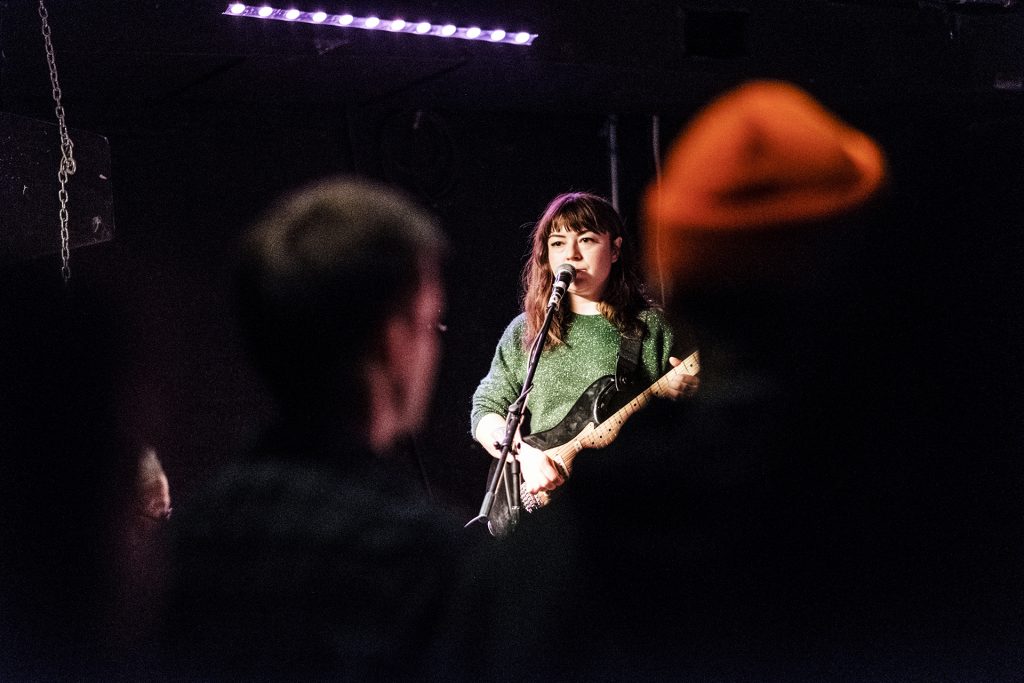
x=308 y=561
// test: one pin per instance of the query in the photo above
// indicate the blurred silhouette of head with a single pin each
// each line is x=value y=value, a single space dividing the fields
x=748 y=185
x=340 y=293
x=764 y=226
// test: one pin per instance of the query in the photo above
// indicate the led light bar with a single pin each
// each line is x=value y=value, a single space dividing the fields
x=420 y=28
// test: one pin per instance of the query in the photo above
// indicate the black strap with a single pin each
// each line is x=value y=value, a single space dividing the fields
x=629 y=361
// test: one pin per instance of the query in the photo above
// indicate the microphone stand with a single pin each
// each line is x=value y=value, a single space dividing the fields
x=512 y=422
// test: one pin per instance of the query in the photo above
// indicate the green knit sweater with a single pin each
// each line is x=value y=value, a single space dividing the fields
x=590 y=351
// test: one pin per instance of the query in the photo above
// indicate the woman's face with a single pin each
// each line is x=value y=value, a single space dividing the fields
x=591 y=253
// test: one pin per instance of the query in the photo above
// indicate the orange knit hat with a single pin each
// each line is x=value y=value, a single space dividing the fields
x=764 y=155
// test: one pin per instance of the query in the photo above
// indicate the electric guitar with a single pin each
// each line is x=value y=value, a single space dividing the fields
x=594 y=421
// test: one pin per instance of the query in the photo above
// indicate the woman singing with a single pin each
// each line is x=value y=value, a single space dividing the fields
x=604 y=303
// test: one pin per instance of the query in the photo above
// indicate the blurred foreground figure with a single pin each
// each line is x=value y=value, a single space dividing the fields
x=141 y=553
x=856 y=514
x=318 y=554
x=809 y=516
x=153 y=491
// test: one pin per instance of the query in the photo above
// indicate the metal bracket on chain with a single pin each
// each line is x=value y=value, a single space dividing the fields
x=67 y=147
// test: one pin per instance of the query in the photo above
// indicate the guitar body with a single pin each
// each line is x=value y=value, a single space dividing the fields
x=592 y=407
x=593 y=421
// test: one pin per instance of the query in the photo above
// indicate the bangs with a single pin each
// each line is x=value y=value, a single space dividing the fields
x=577 y=216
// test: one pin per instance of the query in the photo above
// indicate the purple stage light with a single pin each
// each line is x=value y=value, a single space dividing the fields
x=423 y=28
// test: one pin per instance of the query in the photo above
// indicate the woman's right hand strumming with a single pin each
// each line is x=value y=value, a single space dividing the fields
x=539 y=472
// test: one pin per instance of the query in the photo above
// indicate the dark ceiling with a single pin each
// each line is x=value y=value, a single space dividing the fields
x=642 y=55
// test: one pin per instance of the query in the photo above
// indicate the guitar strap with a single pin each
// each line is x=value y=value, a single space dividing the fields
x=628 y=362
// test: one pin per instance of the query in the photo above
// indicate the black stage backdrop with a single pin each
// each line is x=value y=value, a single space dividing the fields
x=186 y=189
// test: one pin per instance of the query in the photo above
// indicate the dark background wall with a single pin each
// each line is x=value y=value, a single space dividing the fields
x=184 y=191
x=209 y=118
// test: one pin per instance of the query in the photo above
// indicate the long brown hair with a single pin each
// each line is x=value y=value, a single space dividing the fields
x=624 y=296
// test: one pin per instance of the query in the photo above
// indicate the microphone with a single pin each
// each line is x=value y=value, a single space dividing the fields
x=564 y=276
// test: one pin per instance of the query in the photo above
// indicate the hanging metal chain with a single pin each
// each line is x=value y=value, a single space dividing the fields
x=67 y=147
